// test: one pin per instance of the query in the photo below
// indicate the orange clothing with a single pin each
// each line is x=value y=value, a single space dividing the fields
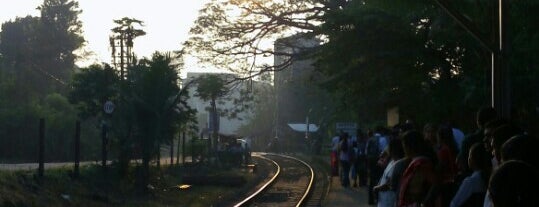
x=416 y=182
x=448 y=168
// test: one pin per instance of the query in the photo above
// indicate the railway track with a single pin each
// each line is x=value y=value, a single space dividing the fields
x=321 y=183
x=291 y=184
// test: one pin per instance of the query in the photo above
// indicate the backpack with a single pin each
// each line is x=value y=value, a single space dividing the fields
x=373 y=148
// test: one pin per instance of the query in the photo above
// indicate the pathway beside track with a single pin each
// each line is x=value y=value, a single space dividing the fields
x=345 y=197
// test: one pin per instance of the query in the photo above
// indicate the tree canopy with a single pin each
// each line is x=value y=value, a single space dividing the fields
x=40 y=51
x=379 y=54
x=37 y=59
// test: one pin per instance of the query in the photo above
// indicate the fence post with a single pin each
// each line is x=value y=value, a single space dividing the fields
x=41 y=158
x=172 y=151
x=104 y=145
x=183 y=147
x=77 y=148
x=158 y=156
x=178 y=149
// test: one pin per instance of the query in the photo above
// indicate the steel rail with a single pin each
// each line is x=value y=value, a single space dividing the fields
x=248 y=199
x=308 y=190
x=305 y=194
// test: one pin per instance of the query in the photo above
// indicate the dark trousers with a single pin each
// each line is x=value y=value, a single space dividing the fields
x=361 y=167
x=345 y=173
x=374 y=176
x=362 y=174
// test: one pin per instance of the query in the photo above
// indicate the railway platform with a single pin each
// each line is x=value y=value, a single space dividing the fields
x=345 y=197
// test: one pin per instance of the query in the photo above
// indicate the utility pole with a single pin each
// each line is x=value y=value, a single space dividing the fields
x=108 y=108
x=307 y=127
x=121 y=44
x=104 y=144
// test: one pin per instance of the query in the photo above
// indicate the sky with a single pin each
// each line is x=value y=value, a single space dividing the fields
x=167 y=22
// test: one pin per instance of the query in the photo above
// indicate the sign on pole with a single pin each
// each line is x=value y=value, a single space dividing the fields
x=108 y=107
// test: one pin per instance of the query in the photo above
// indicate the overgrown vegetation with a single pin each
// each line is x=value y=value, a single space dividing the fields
x=38 y=79
x=22 y=188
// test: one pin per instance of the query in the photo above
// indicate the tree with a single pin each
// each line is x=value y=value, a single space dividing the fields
x=263 y=111
x=92 y=87
x=40 y=50
x=211 y=87
x=377 y=71
x=238 y=34
x=422 y=61
x=17 y=47
x=60 y=34
x=37 y=61
x=158 y=106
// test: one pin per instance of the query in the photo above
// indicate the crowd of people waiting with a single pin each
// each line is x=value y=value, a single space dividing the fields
x=436 y=165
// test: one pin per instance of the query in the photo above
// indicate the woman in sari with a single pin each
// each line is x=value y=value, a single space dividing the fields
x=419 y=181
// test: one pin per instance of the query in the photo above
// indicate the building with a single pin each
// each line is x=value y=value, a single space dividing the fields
x=295 y=80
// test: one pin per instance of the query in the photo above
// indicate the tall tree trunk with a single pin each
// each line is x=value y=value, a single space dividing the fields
x=178 y=150
x=215 y=117
x=145 y=173
x=215 y=130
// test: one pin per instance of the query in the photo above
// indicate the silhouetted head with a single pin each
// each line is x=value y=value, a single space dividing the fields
x=445 y=137
x=370 y=133
x=500 y=135
x=514 y=183
x=429 y=133
x=359 y=134
x=379 y=129
x=343 y=135
x=406 y=127
x=489 y=129
x=479 y=158
x=484 y=115
x=523 y=148
x=395 y=149
x=412 y=143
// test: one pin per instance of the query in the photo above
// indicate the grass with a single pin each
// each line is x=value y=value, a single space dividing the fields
x=96 y=188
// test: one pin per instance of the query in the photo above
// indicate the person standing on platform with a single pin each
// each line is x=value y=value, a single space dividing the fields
x=373 y=150
x=483 y=116
x=419 y=181
x=472 y=190
x=386 y=194
x=335 y=155
x=344 y=158
x=361 y=161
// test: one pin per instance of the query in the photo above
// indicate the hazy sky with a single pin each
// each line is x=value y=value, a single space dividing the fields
x=167 y=22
